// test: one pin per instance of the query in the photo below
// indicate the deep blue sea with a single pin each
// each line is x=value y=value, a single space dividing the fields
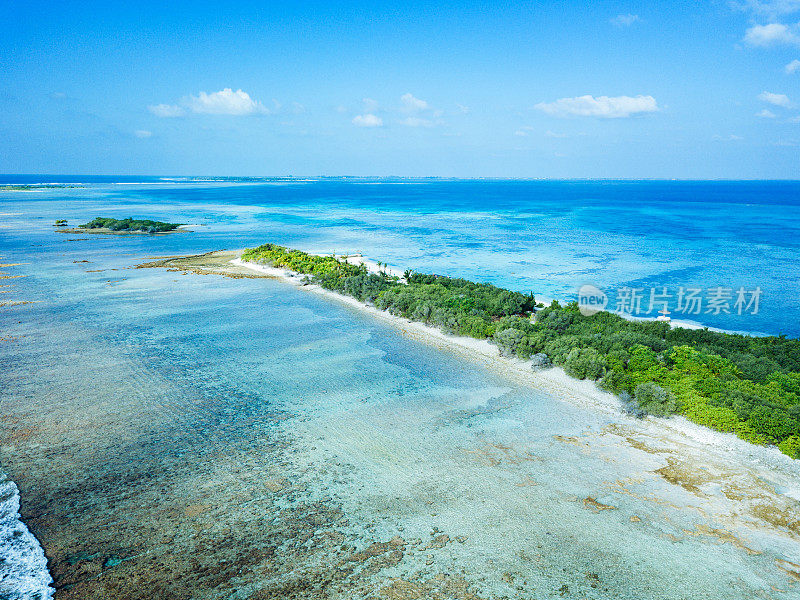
x=723 y=238
x=174 y=435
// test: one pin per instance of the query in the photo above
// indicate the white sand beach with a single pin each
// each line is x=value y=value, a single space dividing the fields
x=553 y=380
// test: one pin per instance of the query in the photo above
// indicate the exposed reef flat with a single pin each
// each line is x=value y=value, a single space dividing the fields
x=142 y=483
x=217 y=263
x=553 y=380
x=729 y=492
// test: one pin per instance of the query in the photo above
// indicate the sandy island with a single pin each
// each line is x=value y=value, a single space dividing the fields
x=553 y=381
x=751 y=494
x=107 y=231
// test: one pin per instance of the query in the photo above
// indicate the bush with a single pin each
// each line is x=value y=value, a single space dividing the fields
x=540 y=360
x=630 y=406
x=616 y=380
x=585 y=363
x=508 y=341
x=774 y=424
x=789 y=382
x=618 y=359
x=559 y=348
x=717 y=417
x=755 y=368
x=745 y=432
x=642 y=358
x=791 y=446
x=655 y=400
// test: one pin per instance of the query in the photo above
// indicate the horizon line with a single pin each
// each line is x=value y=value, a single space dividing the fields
x=442 y=177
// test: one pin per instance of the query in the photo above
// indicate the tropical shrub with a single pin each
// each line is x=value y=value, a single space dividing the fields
x=655 y=400
x=585 y=363
x=791 y=446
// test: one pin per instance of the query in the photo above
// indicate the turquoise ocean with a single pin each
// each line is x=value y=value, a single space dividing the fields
x=177 y=435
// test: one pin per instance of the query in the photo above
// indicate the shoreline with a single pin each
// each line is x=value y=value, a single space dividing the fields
x=373 y=267
x=468 y=346
x=25 y=573
x=552 y=381
x=105 y=231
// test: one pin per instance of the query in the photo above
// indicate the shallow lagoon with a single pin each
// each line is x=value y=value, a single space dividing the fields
x=182 y=435
x=546 y=236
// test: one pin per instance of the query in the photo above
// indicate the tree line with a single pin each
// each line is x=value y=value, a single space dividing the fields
x=130 y=224
x=734 y=383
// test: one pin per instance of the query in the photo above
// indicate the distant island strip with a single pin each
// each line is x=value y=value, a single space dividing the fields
x=120 y=226
x=732 y=383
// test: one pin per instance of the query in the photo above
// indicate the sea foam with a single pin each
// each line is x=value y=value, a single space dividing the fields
x=23 y=566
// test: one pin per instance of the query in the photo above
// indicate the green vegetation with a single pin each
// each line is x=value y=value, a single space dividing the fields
x=130 y=224
x=61 y=223
x=746 y=385
x=455 y=305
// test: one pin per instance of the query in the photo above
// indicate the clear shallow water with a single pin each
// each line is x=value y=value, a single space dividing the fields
x=180 y=435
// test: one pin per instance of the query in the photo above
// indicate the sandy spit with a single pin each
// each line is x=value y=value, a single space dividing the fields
x=552 y=381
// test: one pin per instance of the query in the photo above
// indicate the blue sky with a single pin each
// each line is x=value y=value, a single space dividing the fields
x=704 y=89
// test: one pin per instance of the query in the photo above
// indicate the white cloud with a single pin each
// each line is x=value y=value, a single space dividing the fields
x=727 y=138
x=792 y=67
x=766 y=114
x=142 y=133
x=771 y=34
x=602 y=106
x=521 y=133
x=624 y=20
x=367 y=120
x=794 y=119
x=166 y=110
x=775 y=99
x=225 y=102
x=410 y=104
x=770 y=8
x=462 y=109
